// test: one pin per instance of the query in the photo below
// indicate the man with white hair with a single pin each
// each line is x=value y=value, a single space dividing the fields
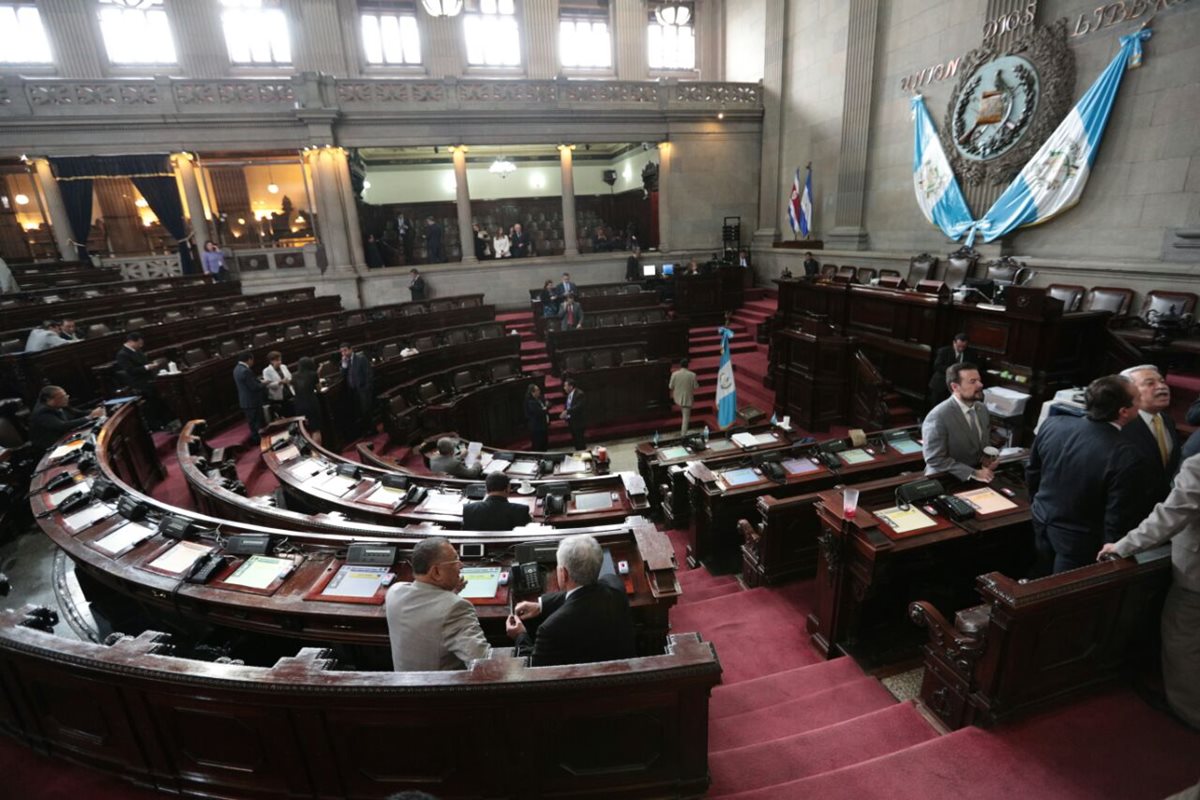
x=586 y=620
x=1152 y=432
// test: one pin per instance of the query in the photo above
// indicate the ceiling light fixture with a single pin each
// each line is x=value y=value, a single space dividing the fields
x=21 y=199
x=442 y=8
x=502 y=167
x=272 y=186
x=673 y=14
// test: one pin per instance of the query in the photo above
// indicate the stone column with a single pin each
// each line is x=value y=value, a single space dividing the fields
x=56 y=210
x=462 y=199
x=74 y=37
x=191 y=197
x=540 y=24
x=337 y=213
x=629 y=34
x=199 y=38
x=776 y=67
x=848 y=232
x=664 y=195
x=566 y=157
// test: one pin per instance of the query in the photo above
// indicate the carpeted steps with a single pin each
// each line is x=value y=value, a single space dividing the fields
x=732 y=699
x=708 y=593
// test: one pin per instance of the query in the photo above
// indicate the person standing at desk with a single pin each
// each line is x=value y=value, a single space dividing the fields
x=137 y=372
x=359 y=378
x=1085 y=480
x=53 y=416
x=956 y=430
x=430 y=627
x=571 y=314
x=251 y=395
x=811 y=267
x=1152 y=432
x=633 y=266
x=212 y=261
x=957 y=352
x=495 y=512
x=549 y=299
x=587 y=620
x=683 y=386
x=416 y=285
x=278 y=380
x=537 y=414
x=1176 y=519
x=304 y=384
x=566 y=287
x=573 y=413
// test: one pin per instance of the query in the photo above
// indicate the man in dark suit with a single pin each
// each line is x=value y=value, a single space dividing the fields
x=251 y=394
x=573 y=412
x=811 y=267
x=587 y=620
x=958 y=352
x=433 y=241
x=53 y=417
x=522 y=247
x=416 y=284
x=1086 y=480
x=1152 y=433
x=566 y=287
x=633 y=266
x=359 y=378
x=495 y=512
x=137 y=372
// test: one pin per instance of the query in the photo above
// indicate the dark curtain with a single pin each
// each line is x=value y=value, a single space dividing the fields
x=151 y=174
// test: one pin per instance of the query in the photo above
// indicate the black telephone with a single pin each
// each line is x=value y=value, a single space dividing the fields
x=75 y=501
x=415 y=495
x=954 y=507
x=546 y=466
x=555 y=504
x=61 y=479
x=529 y=578
x=918 y=492
x=774 y=470
x=205 y=567
x=829 y=460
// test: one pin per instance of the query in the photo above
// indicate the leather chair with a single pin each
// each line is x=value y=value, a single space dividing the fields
x=889 y=273
x=262 y=339
x=354 y=318
x=136 y=323
x=865 y=274
x=959 y=265
x=504 y=369
x=424 y=343
x=428 y=392
x=575 y=362
x=1113 y=299
x=828 y=270
x=456 y=336
x=239 y=305
x=1164 y=302
x=325 y=326
x=1007 y=270
x=229 y=347
x=922 y=268
x=194 y=356
x=1071 y=295
x=390 y=350
x=602 y=358
x=172 y=316
x=293 y=332
x=847 y=272
x=464 y=380
x=413 y=309
x=491 y=332
x=631 y=355
x=97 y=329
x=441 y=305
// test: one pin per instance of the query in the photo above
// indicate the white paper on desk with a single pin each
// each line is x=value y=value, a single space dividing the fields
x=443 y=503
x=765 y=438
x=744 y=439
x=496 y=465
x=180 y=558
x=572 y=464
x=88 y=517
x=337 y=485
x=57 y=497
x=634 y=483
x=482 y=582
x=280 y=437
x=287 y=453
x=355 y=581
x=473 y=451
x=385 y=496
x=259 y=572
x=66 y=449
x=306 y=468
x=123 y=538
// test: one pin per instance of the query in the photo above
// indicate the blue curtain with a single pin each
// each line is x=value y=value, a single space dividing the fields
x=151 y=174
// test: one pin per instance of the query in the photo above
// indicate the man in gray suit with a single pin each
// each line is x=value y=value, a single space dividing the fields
x=448 y=462
x=683 y=391
x=956 y=430
x=429 y=625
x=1176 y=519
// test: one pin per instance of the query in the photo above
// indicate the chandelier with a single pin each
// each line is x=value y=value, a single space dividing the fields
x=442 y=8
x=673 y=14
x=502 y=167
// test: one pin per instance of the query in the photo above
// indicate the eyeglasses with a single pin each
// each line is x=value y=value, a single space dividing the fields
x=444 y=563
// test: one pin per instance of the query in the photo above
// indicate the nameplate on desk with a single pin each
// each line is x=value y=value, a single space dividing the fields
x=88 y=517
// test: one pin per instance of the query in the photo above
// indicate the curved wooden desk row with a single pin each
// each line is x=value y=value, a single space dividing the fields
x=595 y=298
x=71 y=366
x=303 y=729
x=59 y=302
x=295 y=600
x=666 y=339
x=310 y=477
x=206 y=390
x=1038 y=642
x=524 y=464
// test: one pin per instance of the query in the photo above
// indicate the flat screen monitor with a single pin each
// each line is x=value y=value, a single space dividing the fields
x=668 y=269
x=649 y=270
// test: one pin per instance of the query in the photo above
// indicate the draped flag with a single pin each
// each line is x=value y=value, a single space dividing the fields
x=1053 y=180
x=726 y=389
x=794 y=203
x=938 y=195
x=806 y=204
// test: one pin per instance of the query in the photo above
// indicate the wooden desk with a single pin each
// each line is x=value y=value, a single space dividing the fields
x=866 y=578
x=595 y=298
x=716 y=506
x=668 y=339
x=303 y=728
x=129 y=295
x=523 y=459
x=290 y=611
x=705 y=298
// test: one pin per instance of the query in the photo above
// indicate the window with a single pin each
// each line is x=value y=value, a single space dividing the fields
x=22 y=37
x=493 y=39
x=136 y=32
x=256 y=32
x=671 y=46
x=583 y=41
x=390 y=37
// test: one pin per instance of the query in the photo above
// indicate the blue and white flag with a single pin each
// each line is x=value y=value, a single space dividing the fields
x=806 y=216
x=1053 y=180
x=726 y=389
x=938 y=195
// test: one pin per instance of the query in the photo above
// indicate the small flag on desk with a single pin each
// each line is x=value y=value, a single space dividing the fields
x=726 y=389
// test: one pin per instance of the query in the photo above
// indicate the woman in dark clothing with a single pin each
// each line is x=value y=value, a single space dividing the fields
x=549 y=302
x=304 y=383
x=537 y=414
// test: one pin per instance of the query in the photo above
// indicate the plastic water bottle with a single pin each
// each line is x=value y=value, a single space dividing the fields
x=706 y=434
x=655 y=440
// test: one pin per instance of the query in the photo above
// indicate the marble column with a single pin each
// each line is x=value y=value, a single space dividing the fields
x=848 y=232
x=462 y=200
x=566 y=157
x=776 y=66
x=629 y=34
x=337 y=212
x=74 y=37
x=540 y=22
x=186 y=169
x=664 y=194
x=56 y=210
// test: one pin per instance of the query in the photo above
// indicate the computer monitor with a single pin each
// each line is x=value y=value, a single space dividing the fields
x=668 y=269
x=649 y=270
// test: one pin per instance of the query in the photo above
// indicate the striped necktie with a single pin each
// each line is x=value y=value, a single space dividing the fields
x=1160 y=436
